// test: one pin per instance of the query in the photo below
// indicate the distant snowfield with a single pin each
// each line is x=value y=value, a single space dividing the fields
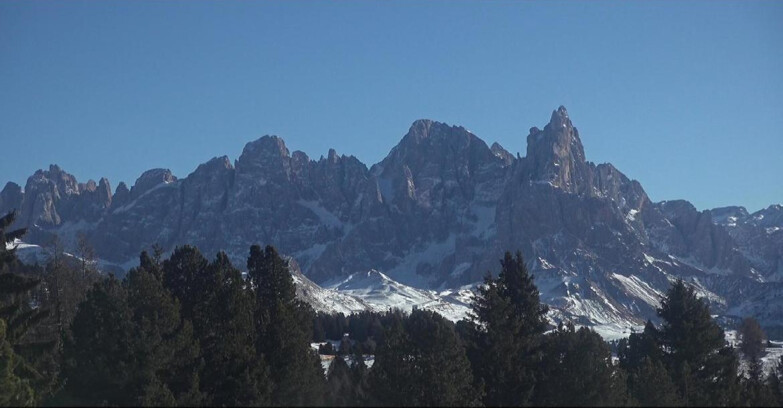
x=375 y=291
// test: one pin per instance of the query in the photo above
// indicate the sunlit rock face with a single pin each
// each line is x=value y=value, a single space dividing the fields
x=436 y=213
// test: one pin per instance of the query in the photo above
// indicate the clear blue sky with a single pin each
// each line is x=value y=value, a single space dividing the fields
x=686 y=97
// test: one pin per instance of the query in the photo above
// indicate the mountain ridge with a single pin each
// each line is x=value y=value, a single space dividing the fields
x=437 y=212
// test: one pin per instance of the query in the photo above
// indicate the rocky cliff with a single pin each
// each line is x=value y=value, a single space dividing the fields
x=436 y=213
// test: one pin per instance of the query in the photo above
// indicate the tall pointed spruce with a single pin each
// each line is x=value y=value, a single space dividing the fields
x=234 y=375
x=703 y=366
x=577 y=370
x=422 y=363
x=31 y=354
x=285 y=327
x=511 y=325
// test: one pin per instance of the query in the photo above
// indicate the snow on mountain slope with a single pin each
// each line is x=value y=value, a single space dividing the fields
x=382 y=293
x=374 y=291
x=324 y=299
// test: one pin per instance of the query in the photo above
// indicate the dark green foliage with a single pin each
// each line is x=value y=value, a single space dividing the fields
x=649 y=381
x=509 y=338
x=185 y=276
x=233 y=374
x=757 y=393
x=130 y=347
x=166 y=352
x=577 y=369
x=14 y=391
x=332 y=326
x=284 y=325
x=702 y=366
x=15 y=288
x=651 y=385
x=639 y=347
x=347 y=386
x=100 y=360
x=341 y=384
x=752 y=344
x=327 y=349
x=29 y=357
x=360 y=376
x=422 y=363
x=365 y=328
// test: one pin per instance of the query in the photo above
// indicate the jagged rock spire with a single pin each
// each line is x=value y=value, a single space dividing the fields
x=555 y=155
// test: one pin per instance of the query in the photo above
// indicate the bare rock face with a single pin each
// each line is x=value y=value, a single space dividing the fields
x=758 y=236
x=151 y=179
x=555 y=155
x=10 y=197
x=436 y=189
x=502 y=153
x=437 y=212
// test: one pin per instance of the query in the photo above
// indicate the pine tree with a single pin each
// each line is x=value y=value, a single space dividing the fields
x=284 y=325
x=422 y=363
x=14 y=391
x=185 y=276
x=577 y=369
x=651 y=385
x=234 y=374
x=166 y=352
x=638 y=347
x=100 y=357
x=752 y=345
x=129 y=345
x=33 y=358
x=340 y=383
x=14 y=288
x=649 y=381
x=703 y=367
x=360 y=377
x=511 y=324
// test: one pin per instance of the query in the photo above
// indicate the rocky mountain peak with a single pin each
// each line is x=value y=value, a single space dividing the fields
x=214 y=165
x=728 y=216
x=265 y=147
x=63 y=182
x=89 y=187
x=560 y=118
x=121 y=194
x=419 y=130
x=150 y=179
x=555 y=155
x=122 y=188
x=332 y=156
x=428 y=136
x=771 y=216
x=437 y=212
x=435 y=160
x=10 y=198
x=502 y=153
x=104 y=185
x=266 y=158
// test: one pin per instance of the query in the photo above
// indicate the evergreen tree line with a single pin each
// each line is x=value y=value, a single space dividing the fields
x=187 y=331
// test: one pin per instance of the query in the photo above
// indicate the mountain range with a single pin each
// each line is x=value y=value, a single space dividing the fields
x=433 y=217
